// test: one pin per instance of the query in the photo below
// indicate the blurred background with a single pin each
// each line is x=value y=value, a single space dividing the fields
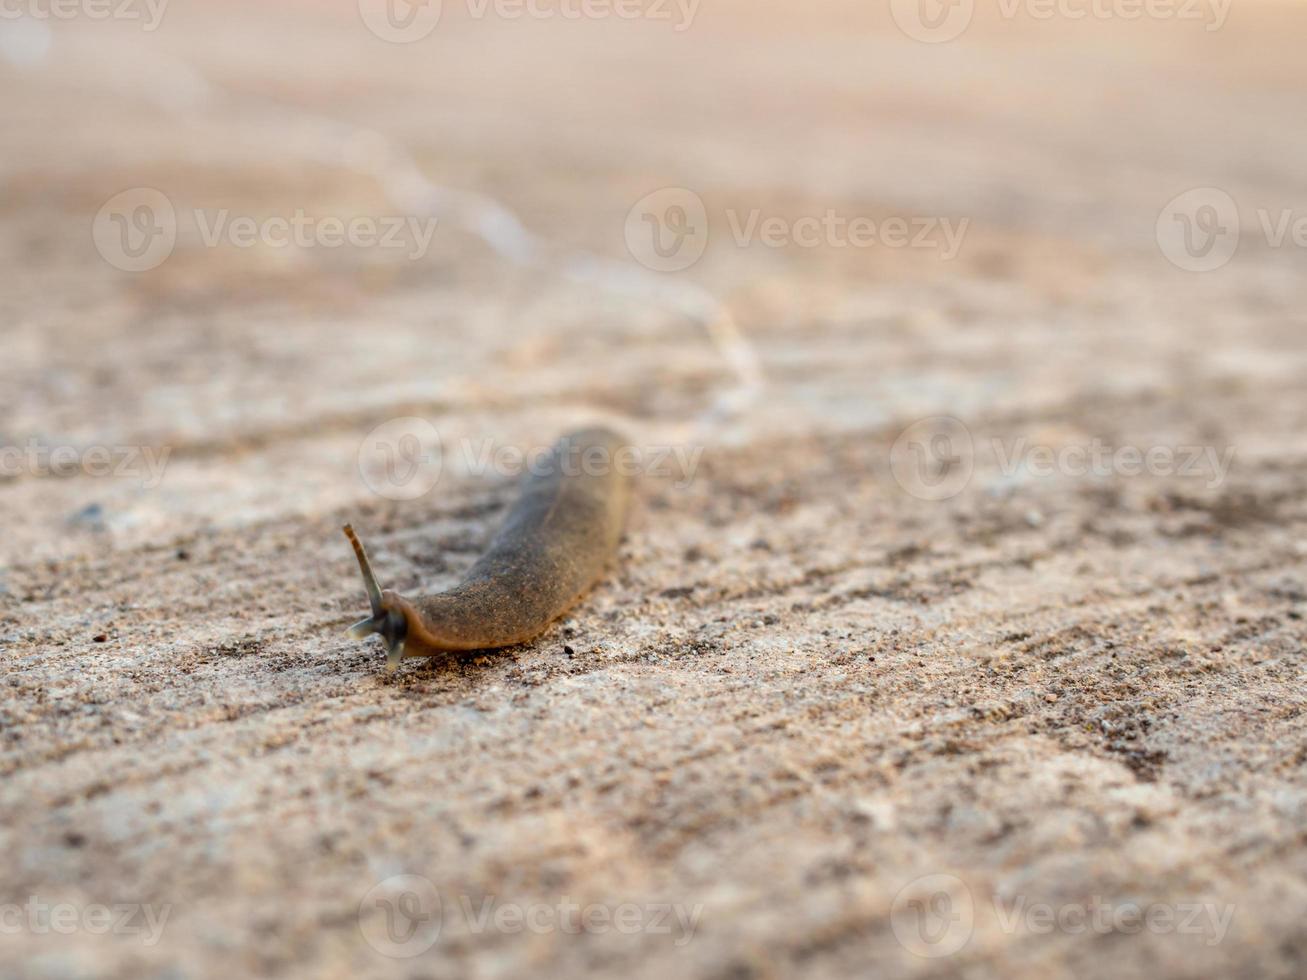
x=980 y=331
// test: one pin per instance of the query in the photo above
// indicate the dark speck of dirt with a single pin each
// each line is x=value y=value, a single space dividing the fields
x=91 y=516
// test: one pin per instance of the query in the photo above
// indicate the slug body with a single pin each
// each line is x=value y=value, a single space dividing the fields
x=556 y=542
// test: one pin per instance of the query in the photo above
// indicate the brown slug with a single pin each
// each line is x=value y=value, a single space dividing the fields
x=558 y=538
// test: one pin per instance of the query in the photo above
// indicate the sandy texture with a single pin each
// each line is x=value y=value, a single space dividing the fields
x=804 y=689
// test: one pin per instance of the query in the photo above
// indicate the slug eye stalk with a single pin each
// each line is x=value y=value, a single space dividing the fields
x=390 y=625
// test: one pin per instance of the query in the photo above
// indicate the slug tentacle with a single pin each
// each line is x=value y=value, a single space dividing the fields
x=390 y=625
x=369 y=579
x=556 y=541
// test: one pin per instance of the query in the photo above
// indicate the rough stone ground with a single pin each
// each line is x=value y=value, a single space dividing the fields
x=803 y=688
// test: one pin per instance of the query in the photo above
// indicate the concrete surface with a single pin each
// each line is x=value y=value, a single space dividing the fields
x=815 y=724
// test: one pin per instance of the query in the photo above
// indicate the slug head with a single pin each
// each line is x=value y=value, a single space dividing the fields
x=387 y=620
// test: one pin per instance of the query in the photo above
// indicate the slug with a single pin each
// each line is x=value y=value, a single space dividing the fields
x=555 y=543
